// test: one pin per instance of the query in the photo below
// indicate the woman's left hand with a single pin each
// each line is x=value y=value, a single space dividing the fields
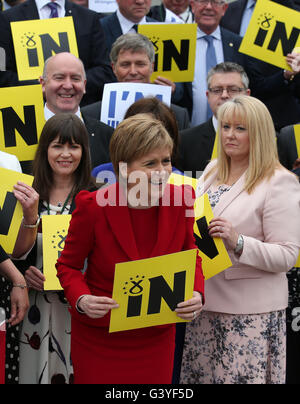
x=190 y=309
x=19 y=304
x=29 y=199
x=220 y=227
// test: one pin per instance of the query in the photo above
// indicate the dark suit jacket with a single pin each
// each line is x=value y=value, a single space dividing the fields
x=182 y=116
x=231 y=43
x=267 y=81
x=112 y=28
x=158 y=13
x=287 y=149
x=99 y=138
x=90 y=41
x=195 y=148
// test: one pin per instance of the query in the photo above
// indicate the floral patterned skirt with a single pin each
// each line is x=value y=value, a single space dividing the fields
x=235 y=349
x=45 y=341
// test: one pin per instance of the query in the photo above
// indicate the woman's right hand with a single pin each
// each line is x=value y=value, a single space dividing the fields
x=96 y=306
x=35 y=279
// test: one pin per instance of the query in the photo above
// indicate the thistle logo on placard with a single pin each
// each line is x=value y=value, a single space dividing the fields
x=29 y=41
x=58 y=241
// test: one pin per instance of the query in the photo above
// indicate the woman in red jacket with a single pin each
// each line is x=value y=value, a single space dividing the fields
x=125 y=222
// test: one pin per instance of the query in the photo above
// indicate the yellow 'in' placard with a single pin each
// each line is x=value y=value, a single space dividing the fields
x=273 y=32
x=149 y=290
x=37 y=40
x=215 y=258
x=55 y=231
x=11 y=212
x=175 y=50
x=21 y=120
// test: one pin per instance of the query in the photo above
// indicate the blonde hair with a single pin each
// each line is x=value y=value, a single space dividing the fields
x=137 y=136
x=263 y=155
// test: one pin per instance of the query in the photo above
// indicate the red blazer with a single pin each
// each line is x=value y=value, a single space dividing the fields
x=105 y=236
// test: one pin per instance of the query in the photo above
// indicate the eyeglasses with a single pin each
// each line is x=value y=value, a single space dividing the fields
x=214 y=3
x=230 y=90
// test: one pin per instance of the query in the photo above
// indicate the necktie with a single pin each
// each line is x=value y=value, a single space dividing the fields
x=211 y=61
x=53 y=8
x=135 y=27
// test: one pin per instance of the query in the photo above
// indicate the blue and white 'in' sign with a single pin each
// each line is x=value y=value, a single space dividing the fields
x=118 y=97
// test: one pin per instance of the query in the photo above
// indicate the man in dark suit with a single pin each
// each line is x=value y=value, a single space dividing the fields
x=226 y=45
x=129 y=14
x=224 y=81
x=63 y=84
x=90 y=41
x=277 y=88
x=132 y=58
x=239 y=13
x=287 y=148
x=181 y=8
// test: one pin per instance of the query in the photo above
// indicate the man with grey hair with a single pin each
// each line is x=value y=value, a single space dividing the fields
x=63 y=83
x=132 y=60
x=224 y=81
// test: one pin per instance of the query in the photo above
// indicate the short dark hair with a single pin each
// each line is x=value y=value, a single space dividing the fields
x=70 y=129
x=229 y=67
x=161 y=112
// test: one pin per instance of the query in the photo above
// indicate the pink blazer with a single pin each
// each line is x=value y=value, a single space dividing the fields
x=269 y=220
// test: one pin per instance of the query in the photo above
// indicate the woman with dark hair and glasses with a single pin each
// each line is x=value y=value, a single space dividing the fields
x=61 y=169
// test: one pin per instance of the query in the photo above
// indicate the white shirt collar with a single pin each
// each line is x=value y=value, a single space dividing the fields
x=49 y=114
x=216 y=34
x=126 y=25
x=250 y=3
x=215 y=123
x=42 y=3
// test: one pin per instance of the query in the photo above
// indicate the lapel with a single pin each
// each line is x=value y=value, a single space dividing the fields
x=229 y=45
x=114 y=27
x=30 y=10
x=69 y=8
x=227 y=197
x=120 y=223
x=209 y=130
x=167 y=221
x=121 y=226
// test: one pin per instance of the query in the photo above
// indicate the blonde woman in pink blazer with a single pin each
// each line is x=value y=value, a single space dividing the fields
x=240 y=338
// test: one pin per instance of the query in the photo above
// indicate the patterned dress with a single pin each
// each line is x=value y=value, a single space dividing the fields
x=234 y=349
x=45 y=336
x=293 y=328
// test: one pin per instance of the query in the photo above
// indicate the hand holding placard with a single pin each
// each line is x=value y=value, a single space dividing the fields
x=11 y=212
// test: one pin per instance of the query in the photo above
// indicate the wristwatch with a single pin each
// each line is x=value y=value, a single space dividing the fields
x=239 y=245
